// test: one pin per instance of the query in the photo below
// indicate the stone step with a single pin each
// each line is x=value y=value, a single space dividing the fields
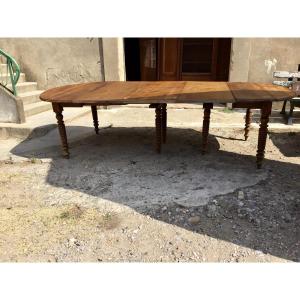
x=6 y=78
x=36 y=108
x=30 y=97
x=24 y=87
x=40 y=124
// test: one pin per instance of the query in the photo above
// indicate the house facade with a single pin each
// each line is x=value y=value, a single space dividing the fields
x=50 y=62
x=57 y=61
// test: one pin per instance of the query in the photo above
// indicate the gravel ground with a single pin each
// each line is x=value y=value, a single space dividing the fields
x=116 y=200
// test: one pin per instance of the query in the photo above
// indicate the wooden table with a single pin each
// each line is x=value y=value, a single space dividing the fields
x=159 y=93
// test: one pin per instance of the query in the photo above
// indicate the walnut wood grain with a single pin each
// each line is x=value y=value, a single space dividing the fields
x=164 y=122
x=247 y=123
x=159 y=93
x=249 y=92
x=145 y=92
x=205 y=128
x=58 y=109
x=262 y=134
x=158 y=128
x=95 y=118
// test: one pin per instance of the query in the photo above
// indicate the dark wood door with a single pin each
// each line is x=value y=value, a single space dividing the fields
x=199 y=59
x=204 y=59
x=148 y=58
x=169 y=59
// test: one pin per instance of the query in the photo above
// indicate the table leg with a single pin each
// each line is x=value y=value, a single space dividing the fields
x=158 y=127
x=95 y=118
x=205 y=129
x=283 y=107
x=58 y=109
x=164 y=122
x=263 y=131
x=247 y=123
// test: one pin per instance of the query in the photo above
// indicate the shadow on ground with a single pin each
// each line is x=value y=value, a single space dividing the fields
x=276 y=117
x=120 y=165
x=288 y=143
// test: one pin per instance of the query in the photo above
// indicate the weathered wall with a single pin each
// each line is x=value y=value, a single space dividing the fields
x=56 y=61
x=11 y=108
x=114 y=59
x=255 y=59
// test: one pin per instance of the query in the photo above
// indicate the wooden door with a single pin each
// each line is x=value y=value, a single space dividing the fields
x=169 y=59
x=148 y=59
x=204 y=59
x=199 y=59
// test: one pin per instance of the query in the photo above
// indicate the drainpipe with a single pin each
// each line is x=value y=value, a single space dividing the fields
x=101 y=59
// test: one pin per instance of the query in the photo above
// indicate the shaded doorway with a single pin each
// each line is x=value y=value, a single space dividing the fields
x=205 y=59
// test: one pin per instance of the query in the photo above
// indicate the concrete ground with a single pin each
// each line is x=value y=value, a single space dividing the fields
x=115 y=199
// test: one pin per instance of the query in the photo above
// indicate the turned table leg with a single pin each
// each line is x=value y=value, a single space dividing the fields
x=205 y=129
x=263 y=131
x=95 y=118
x=58 y=109
x=158 y=127
x=247 y=123
x=164 y=122
x=283 y=107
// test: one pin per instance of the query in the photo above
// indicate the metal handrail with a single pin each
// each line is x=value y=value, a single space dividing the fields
x=13 y=70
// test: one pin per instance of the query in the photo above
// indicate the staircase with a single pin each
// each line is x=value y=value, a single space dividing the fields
x=28 y=92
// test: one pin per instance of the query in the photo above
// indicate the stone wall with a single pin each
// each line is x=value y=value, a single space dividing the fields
x=56 y=61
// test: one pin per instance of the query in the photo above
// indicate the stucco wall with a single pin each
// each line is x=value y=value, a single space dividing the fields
x=56 y=61
x=114 y=59
x=255 y=59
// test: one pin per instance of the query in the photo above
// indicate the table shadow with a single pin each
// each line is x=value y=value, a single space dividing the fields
x=288 y=143
x=120 y=165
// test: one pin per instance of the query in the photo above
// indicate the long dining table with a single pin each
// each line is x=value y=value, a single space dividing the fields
x=158 y=94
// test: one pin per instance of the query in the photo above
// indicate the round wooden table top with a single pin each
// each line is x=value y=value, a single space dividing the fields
x=145 y=92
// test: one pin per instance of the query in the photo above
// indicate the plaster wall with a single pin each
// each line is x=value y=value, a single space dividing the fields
x=255 y=59
x=114 y=59
x=56 y=61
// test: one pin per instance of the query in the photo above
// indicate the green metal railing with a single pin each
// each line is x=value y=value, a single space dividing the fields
x=12 y=69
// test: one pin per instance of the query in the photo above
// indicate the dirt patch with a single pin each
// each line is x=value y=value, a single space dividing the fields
x=99 y=205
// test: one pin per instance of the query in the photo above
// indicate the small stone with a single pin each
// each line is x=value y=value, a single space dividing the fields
x=164 y=208
x=194 y=220
x=211 y=211
x=288 y=218
x=257 y=221
x=73 y=241
x=241 y=195
x=240 y=203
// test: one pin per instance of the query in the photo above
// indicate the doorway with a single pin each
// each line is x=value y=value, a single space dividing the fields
x=204 y=59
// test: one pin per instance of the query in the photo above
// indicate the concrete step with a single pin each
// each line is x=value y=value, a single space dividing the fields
x=24 y=87
x=6 y=77
x=40 y=124
x=30 y=97
x=36 y=108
